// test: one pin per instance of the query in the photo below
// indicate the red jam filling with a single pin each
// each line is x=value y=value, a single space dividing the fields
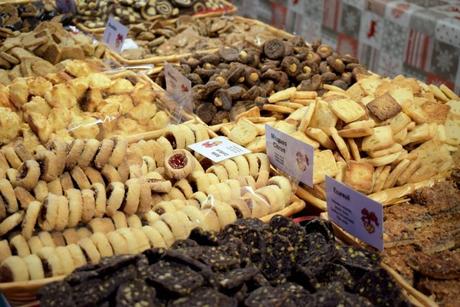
x=177 y=161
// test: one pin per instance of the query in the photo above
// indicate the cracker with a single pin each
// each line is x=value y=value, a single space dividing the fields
x=402 y=95
x=436 y=112
x=452 y=128
x=359 y=175
x=320 y=136
x=380 y=180
x=400 y=136
x=347 y=110
x=454 y=112
x=384 y=107
x=252 y=112
x=369 y=85
x=354 y=149
x=395 y=173
x=384 y=160
x=282 y=95
x=355 y=132
x=341 y=145
x=299 y=135
x=243 y=133
x=305 y=95
x=324 y=164
x=387 y=151
x=438 y=93
x=307 y=118
x=420 y=134
x=399 y=122
x=448 y=92
x=381 y=138
x=258 y=144
x=323 y=117
x=415 y=112
x=368 y=123
x=277 y=108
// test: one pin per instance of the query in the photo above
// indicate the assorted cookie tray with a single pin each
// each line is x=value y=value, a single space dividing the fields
x=171 y=41
x=92 y=15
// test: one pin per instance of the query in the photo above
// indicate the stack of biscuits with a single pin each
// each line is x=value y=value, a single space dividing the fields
x=36 y=53
x=79 y=103
x=70 y=203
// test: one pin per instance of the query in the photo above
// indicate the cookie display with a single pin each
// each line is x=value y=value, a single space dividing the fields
x=37 y=53
x=94 y=14
x=193 y=273
x=237 y=80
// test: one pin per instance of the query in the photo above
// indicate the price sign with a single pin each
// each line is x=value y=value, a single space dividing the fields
x=290 y=155
x=179 y=87
x=355 y=212
x=219 y=149
x=66 y=6
x=115 y=34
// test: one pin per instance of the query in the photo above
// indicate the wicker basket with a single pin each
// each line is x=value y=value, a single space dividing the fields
x=160 y=60
x=229 y=9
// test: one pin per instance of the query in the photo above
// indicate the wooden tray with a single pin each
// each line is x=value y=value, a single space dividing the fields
x=229 y=9
x=25 y=292
x=160 y=60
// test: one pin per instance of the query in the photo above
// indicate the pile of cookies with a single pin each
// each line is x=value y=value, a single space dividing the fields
x=94 y=14
x=37 y=52
x=249 y=263
x=376 y=135
x=234 y=80
x=77 y=103
x=24 y=17
x=71 y=203
x=188 y=34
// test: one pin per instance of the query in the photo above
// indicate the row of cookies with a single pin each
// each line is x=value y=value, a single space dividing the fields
x=175 y=222
x=378 y=134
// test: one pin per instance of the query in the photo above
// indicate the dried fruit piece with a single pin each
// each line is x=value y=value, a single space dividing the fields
x=206 y=111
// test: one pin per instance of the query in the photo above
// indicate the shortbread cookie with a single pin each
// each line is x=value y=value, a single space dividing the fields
x=55 y=267
x=30 y=219
x=11 y=222
x=115 y=194
x=5 y=250
x=102 y=244
x=35 y=267
x=119 y=220
x=48 y=165
x=165 y=232
x=46 y=239
x=71 y=236
x=75 y=202
x=131 y=241
x=55 y=187
x=75 y=150
x=8 y=197
x=94 y=176
x=19 y=246
x=41 y=190
x=88 y=153
x=119 y=151
x=142 y=240
x=103 y=153
x=23 y=197
x=101 y=224
x=132 y=197
x=35 y=244
x=134 y=221
x=79 y=177
x=77 y=255
x=14 y=268
x=90 y=250
x=66 y=259
x=66 y=181
x=100 y=199
x=28 y=175
x=118 y=243
x=154 y=236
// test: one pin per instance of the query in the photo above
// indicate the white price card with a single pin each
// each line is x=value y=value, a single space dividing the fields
x=115 y=34
x=355 y=212
x=66 y=6
x=290 y=155
x=179 y=87
x=219 y=149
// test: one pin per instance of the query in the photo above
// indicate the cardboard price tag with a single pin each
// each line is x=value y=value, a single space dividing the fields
x=355 y=213
x=219 y=149
x=115 y=34
x=179 y=87
x=289 y=155
x=66 y=6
